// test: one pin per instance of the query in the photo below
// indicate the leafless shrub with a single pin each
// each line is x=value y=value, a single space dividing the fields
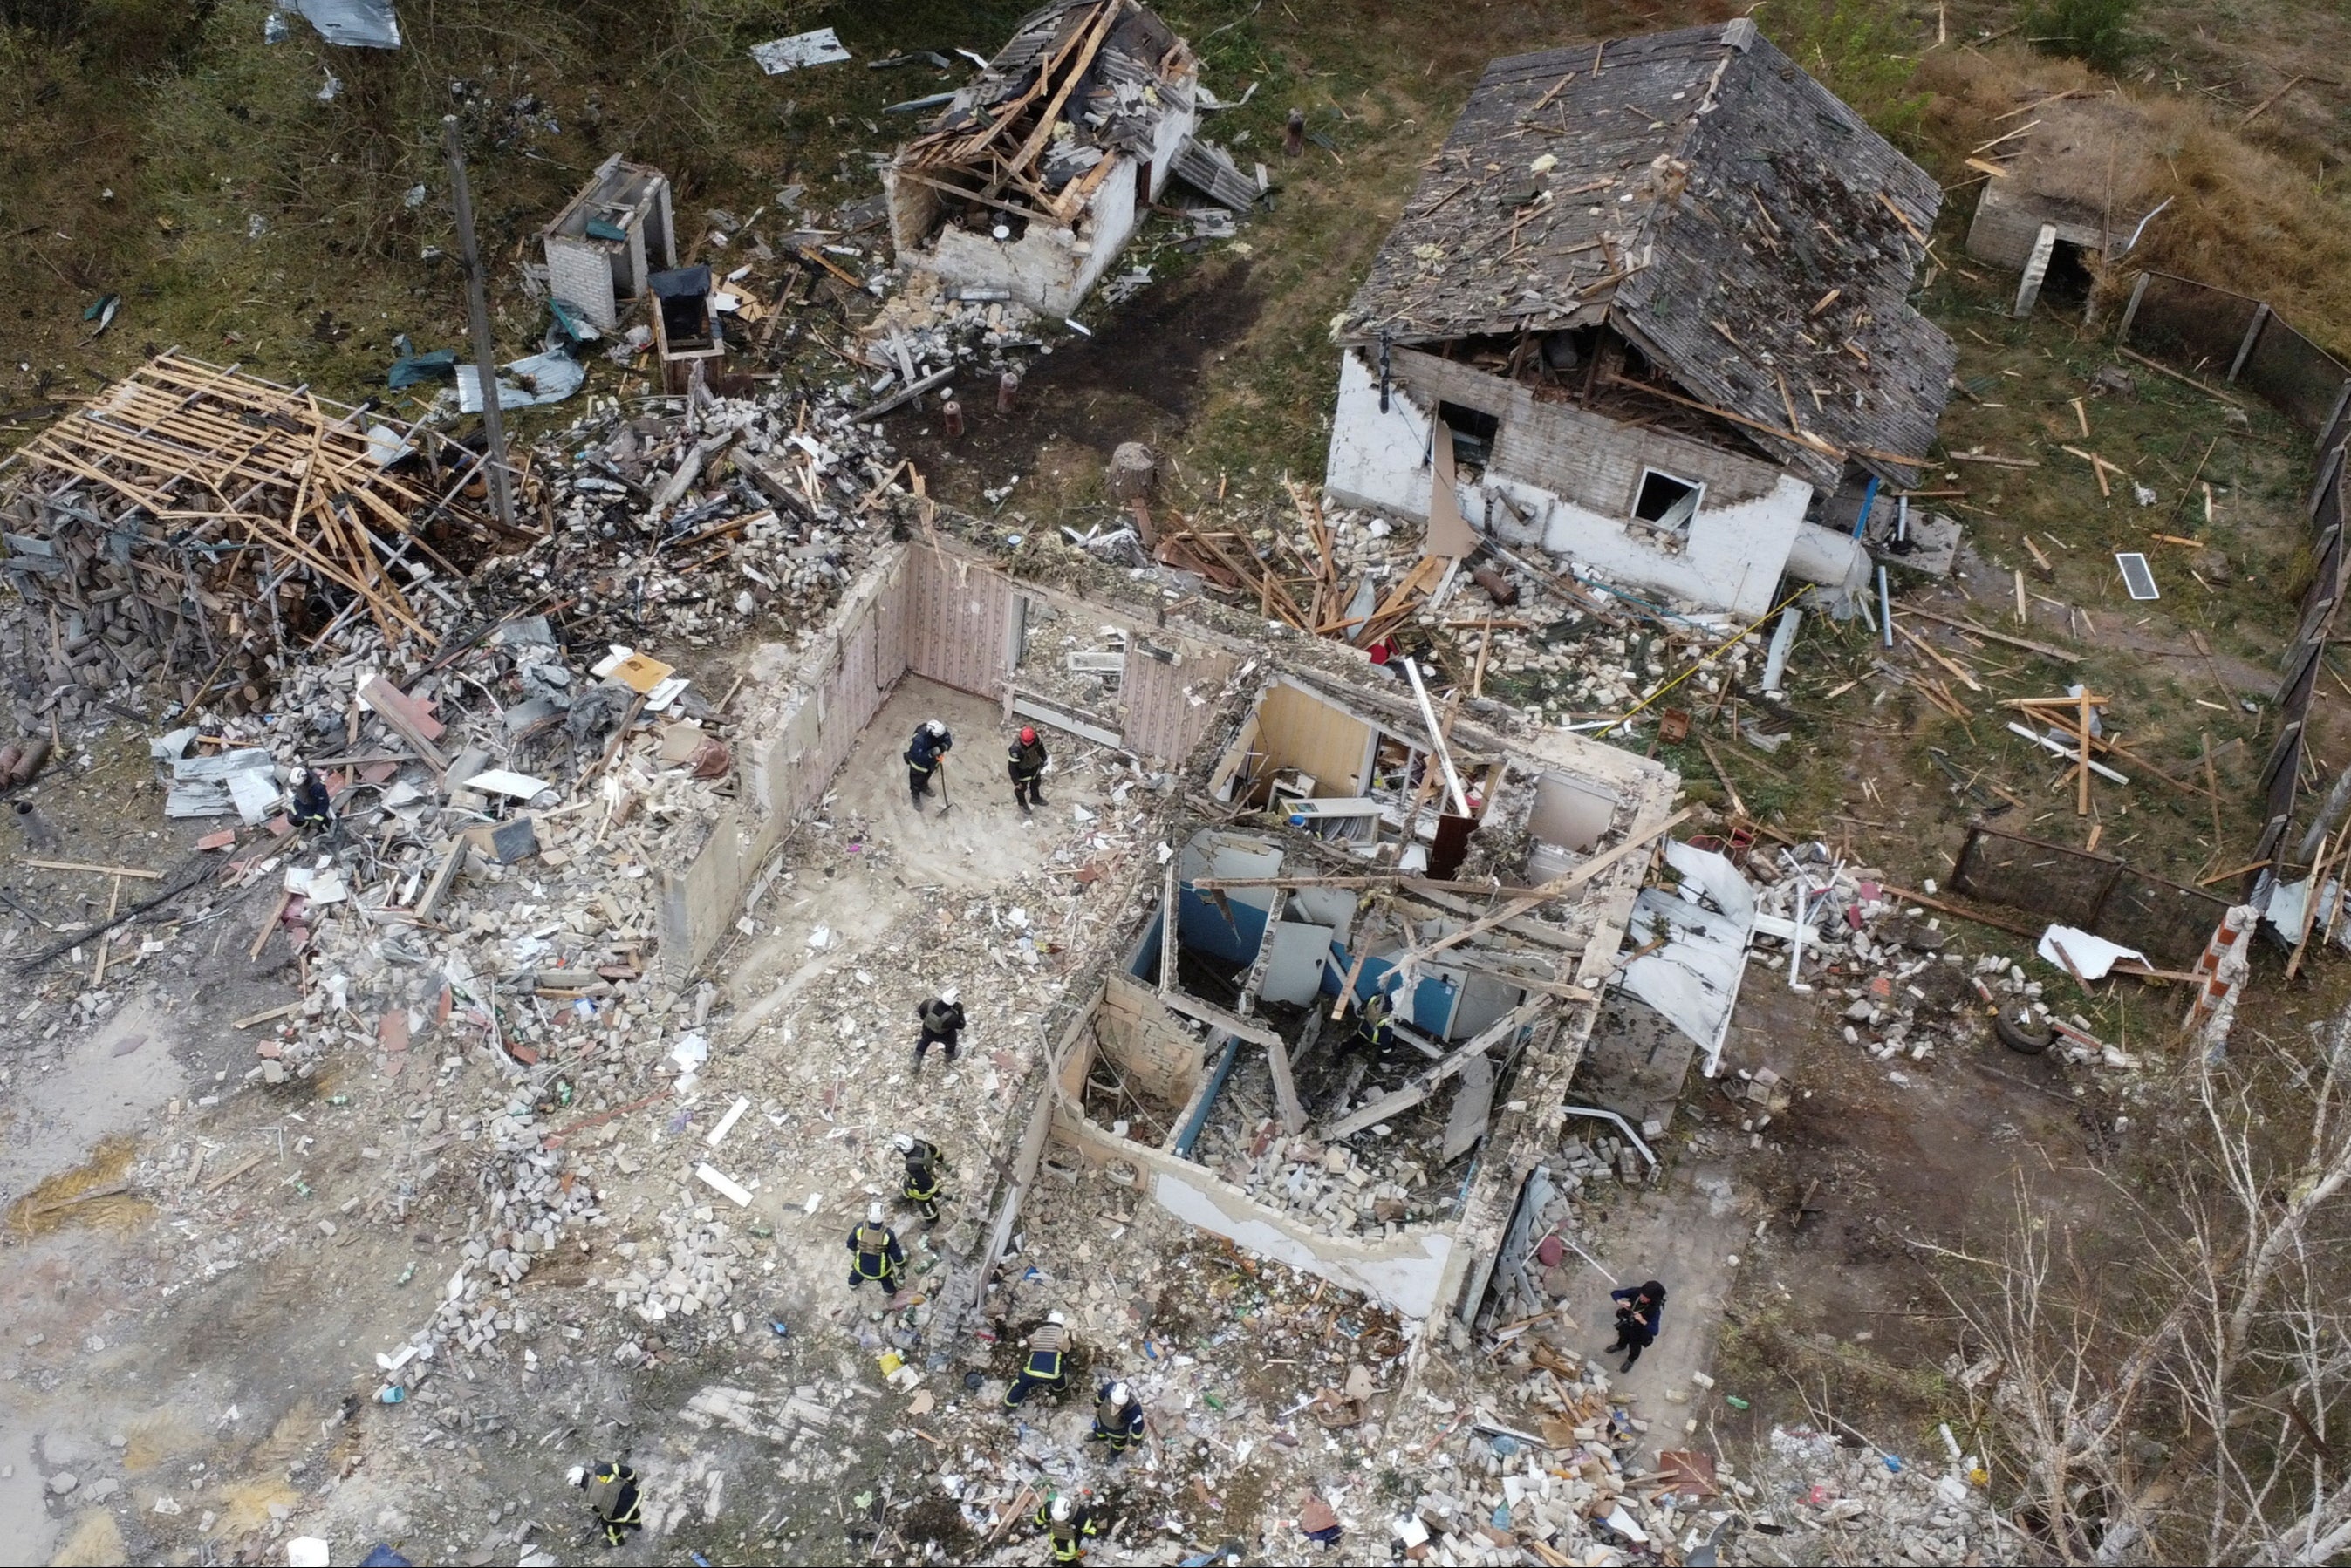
x=2184 y=1399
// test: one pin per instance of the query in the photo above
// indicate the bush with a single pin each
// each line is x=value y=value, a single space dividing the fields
x=2096 y=32
x=1860 y=50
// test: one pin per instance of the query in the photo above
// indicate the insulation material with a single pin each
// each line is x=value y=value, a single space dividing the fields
x=2080 y=953
x=522 y=383
x=1693 y=979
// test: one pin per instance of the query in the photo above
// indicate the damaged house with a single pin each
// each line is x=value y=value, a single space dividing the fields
x=1038 y=170
x=1653 y=295
x=1211 y=1069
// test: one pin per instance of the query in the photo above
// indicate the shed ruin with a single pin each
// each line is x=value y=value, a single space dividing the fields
x=1032 y=178
x=1653 y=294
x=2071 y=190
x=610 y=239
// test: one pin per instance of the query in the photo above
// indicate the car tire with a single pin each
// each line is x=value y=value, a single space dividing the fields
x=2019 y=1033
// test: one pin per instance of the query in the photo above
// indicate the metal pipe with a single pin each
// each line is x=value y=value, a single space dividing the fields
x=1868 y=500
x=1621 y=1126
x=1885 y=609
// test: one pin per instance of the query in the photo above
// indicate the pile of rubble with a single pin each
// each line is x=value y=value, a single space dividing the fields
x=1332 y=1186
x=1571 y=1472
x=924 y=328
x=1562 y=643
x=698 y=529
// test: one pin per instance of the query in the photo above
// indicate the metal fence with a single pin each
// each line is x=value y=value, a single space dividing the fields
x=2230 y=337
x=2216 y=334
x=2168 y=921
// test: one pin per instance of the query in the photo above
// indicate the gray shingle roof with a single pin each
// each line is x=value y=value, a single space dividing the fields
x=1704 y=196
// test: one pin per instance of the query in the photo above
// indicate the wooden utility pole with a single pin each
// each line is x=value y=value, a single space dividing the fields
x=478 y=307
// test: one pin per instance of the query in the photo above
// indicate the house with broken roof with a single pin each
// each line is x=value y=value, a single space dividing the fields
x=1648 y=308
x=1042 y=167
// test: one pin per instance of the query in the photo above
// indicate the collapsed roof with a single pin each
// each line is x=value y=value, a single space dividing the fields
x=1039 y=130
x=1696 y=192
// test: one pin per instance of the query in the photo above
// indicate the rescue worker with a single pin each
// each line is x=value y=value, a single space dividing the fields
x=925 y=754
x=1371 y=1019
x=1070 y=1526
x=1118 y=1418
x=876 y=1253
x=942 y=1021
x=1026 y=762
x=612 y=1489
x=312 y=807
x=924 y=1164
x=1048 y=1350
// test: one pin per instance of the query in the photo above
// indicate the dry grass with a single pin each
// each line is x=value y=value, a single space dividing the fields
x=2241 y=215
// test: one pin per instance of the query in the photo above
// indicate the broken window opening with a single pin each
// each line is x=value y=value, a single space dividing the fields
x=1474 y=435
x=1665 y=502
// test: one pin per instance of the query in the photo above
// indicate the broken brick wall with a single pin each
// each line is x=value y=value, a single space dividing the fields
x=801 y=734
x=1160 y=1058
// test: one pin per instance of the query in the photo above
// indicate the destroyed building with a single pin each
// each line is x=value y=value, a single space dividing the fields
x=1653 y=294
x=1030 y=181
x=1211 y=1068
x=1319 y=841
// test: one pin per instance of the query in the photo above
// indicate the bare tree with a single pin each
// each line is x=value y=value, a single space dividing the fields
x=2177 y=1389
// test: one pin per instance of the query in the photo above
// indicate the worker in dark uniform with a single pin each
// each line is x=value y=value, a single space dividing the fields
x=1118 y=1418
x=1047 y=1366
x=924 y=1164
x=942 y=1020
x=924 y=755
x=876 y=1254
x=1373 y=1016
x=1070 y=1527
x=612 y=1489
x=1026 y=763
x=1640 y=1312
x=313 y=808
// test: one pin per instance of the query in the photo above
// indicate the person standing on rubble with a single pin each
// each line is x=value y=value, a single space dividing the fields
x=612 y=1489
x=1047 y=1366
x=1640 y=1312
x=875 y=1252
x=1373 y=1016
x=1118 y=1418
x=1070 y=1526
x=924 y=1164
x=1026 y=762
x=942 y=1021
x=309 y=804
x=926 y=754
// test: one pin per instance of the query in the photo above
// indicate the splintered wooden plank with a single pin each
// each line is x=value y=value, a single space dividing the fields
x=1420 y=1089
x=1256 y=982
